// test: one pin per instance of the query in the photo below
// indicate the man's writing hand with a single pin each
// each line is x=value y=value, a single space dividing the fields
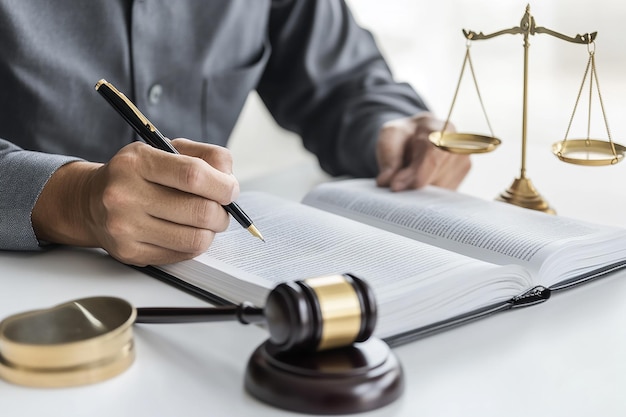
x=144 y=206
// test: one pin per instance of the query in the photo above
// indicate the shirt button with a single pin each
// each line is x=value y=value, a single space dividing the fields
x=154 y=94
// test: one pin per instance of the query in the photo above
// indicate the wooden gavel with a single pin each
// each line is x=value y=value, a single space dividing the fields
x=313 y=314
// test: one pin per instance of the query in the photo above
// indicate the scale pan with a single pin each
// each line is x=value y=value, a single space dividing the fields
x=463 y=143
x=590 y=152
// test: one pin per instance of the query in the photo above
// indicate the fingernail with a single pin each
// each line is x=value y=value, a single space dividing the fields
x=398 y=185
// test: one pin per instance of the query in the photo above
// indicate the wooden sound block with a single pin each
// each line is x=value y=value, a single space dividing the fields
x=352 y=379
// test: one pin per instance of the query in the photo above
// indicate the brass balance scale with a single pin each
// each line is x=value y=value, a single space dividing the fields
x=588 y=151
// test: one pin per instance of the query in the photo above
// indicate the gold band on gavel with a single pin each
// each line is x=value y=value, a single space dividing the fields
x=340 y=308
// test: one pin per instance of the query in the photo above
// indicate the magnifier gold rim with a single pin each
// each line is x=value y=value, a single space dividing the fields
x=92 y=341
x=562 y=149
x=46 y=356
x=463 y=143
x=89 y=373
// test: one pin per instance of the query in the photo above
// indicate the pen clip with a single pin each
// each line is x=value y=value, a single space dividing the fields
x=129 y=104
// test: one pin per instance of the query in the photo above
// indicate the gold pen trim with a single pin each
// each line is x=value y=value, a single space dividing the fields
x=129 y=103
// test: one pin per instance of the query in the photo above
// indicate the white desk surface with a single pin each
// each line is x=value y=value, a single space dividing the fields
x=561 y=358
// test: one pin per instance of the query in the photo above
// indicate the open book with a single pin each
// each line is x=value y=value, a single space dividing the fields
x=434 y=258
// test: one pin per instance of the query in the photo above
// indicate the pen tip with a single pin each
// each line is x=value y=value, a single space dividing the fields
x=255 y=232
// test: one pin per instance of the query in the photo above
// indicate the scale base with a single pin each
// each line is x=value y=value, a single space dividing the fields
x=352 y=379
x=522 y=193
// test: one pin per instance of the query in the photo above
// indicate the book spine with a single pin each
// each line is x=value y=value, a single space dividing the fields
x=535 y=295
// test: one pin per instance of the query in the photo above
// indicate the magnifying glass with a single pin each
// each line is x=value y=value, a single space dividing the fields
x=75 y=343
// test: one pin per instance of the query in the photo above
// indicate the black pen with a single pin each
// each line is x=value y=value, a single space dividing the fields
x=149 y=133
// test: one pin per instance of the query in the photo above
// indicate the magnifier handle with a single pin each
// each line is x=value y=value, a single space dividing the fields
x=245 y=313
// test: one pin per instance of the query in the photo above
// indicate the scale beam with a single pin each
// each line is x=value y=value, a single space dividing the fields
x=528 y=27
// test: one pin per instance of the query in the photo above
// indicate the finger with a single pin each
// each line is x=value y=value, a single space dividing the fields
x=185 y=209
x=454 y=171
x=179 y=238
x=438 y=168
x=143 y=254
x=218 y=157
x=165 y=203
x=390 y=153
x=125 y=237
x=185 y=173
x=424 y=162
x=421 y=167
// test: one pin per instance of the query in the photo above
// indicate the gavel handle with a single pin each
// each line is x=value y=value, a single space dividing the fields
x=245 y=313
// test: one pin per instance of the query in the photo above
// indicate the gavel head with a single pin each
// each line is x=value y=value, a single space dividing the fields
x=320 y=313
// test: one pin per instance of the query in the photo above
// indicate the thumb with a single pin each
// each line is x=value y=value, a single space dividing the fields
x=390 y=153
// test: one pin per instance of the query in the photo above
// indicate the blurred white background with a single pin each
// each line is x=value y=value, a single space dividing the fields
x=424 y=45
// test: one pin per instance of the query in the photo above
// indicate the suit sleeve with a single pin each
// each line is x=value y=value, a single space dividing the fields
x=23 y=175
x=327 y=81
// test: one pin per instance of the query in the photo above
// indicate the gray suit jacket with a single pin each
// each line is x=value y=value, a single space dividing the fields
x=189 y=66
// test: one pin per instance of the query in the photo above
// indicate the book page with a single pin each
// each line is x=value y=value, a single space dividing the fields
x=489 y=230
x=415 y=284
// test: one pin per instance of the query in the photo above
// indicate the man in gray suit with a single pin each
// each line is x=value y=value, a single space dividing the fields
x=72 y=173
